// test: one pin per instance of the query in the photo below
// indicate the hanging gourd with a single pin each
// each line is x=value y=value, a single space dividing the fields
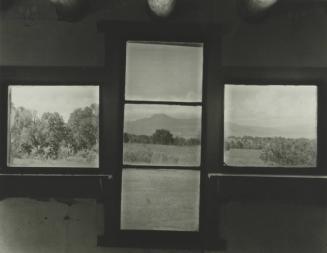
x=71 y=10
x=255 y=10
x=161 y=8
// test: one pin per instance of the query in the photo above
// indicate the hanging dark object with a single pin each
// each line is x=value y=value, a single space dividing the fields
x=161 y=8
x=5 y=4
x=71 y=10
x=255 y=10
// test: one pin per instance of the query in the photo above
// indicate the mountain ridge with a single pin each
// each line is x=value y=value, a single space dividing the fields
x=191 y=128
x=187 y=128
x=292 y=131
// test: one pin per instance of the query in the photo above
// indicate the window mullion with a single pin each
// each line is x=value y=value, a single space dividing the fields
x=3 y=124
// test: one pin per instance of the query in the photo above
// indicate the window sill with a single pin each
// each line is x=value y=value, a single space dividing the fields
x=161 y=240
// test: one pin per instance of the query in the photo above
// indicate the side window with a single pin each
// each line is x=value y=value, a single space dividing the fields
x=162 y=137
x=270 y=126
x=53 y=126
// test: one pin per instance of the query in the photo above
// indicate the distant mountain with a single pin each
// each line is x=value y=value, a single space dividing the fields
x=187 y=128
x=295 y=131
x=191 y=128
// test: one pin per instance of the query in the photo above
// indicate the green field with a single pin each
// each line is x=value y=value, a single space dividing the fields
x=155 y=154
x=244 y=157
x=160 y=199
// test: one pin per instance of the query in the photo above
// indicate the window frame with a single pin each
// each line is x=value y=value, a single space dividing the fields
x=152 y=167
x=278 y=76
x=117 y=34
x=30 y=76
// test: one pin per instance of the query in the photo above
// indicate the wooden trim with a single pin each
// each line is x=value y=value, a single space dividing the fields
x=116 y=36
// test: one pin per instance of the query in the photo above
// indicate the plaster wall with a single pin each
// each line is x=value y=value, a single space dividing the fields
x=32 y=226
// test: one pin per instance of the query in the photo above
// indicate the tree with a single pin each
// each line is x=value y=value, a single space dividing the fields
x=21 y=123
x=162 y=136
x=52 y=131
x=83 y=127
x=193 y=142
x=180 y=141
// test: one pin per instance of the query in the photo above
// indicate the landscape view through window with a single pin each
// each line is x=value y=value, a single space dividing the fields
x=162 y=135
x=270 y=125
x=162 y=129
x=53 y=126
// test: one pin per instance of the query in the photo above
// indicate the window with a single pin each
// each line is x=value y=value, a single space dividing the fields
x=165 y=135
x=270 y=125
x=162 y=136
x=160 y=199
x=158 y=196
x=53 y=126
x=162 y=71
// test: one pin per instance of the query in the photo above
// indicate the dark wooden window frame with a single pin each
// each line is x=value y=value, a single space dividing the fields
x=278 y=76
x=47 y=76
x=116 y=36
x=49 y=182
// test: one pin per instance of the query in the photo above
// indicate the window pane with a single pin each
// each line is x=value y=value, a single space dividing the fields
x=162 y=135
x=160 y=200
x=166 y=72
x=274 y=125
x=53 y=126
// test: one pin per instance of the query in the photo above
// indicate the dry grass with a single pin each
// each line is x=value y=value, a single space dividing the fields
x=160 y=199
x=153 y=154
x=244 y=157
x=72 y=162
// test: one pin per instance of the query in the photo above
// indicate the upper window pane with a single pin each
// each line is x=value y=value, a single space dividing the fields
x=53 y=126
x=164 y=72
x=270 y=125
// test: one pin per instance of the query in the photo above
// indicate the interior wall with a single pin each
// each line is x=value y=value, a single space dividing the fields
x=288 y=39
x=34 y=226
x=299 y=39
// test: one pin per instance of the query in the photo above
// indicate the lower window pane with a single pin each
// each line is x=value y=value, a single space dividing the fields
x=160 y=200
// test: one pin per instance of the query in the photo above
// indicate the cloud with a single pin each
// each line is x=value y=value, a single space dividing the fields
x=61 y=99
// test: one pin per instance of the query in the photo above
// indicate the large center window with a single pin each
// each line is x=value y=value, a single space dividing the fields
x=162 y=136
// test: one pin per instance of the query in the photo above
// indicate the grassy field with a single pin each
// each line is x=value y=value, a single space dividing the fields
x=72 y=162
x=160 y=200
x=154 y=154
x=244 y=157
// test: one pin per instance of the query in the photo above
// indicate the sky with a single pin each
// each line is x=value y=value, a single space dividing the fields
x=271 y=105
x=164 y=72
x=61 y=99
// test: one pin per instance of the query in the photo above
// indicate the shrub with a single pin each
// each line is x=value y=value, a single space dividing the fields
x=135 y=156
x=290 y=152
